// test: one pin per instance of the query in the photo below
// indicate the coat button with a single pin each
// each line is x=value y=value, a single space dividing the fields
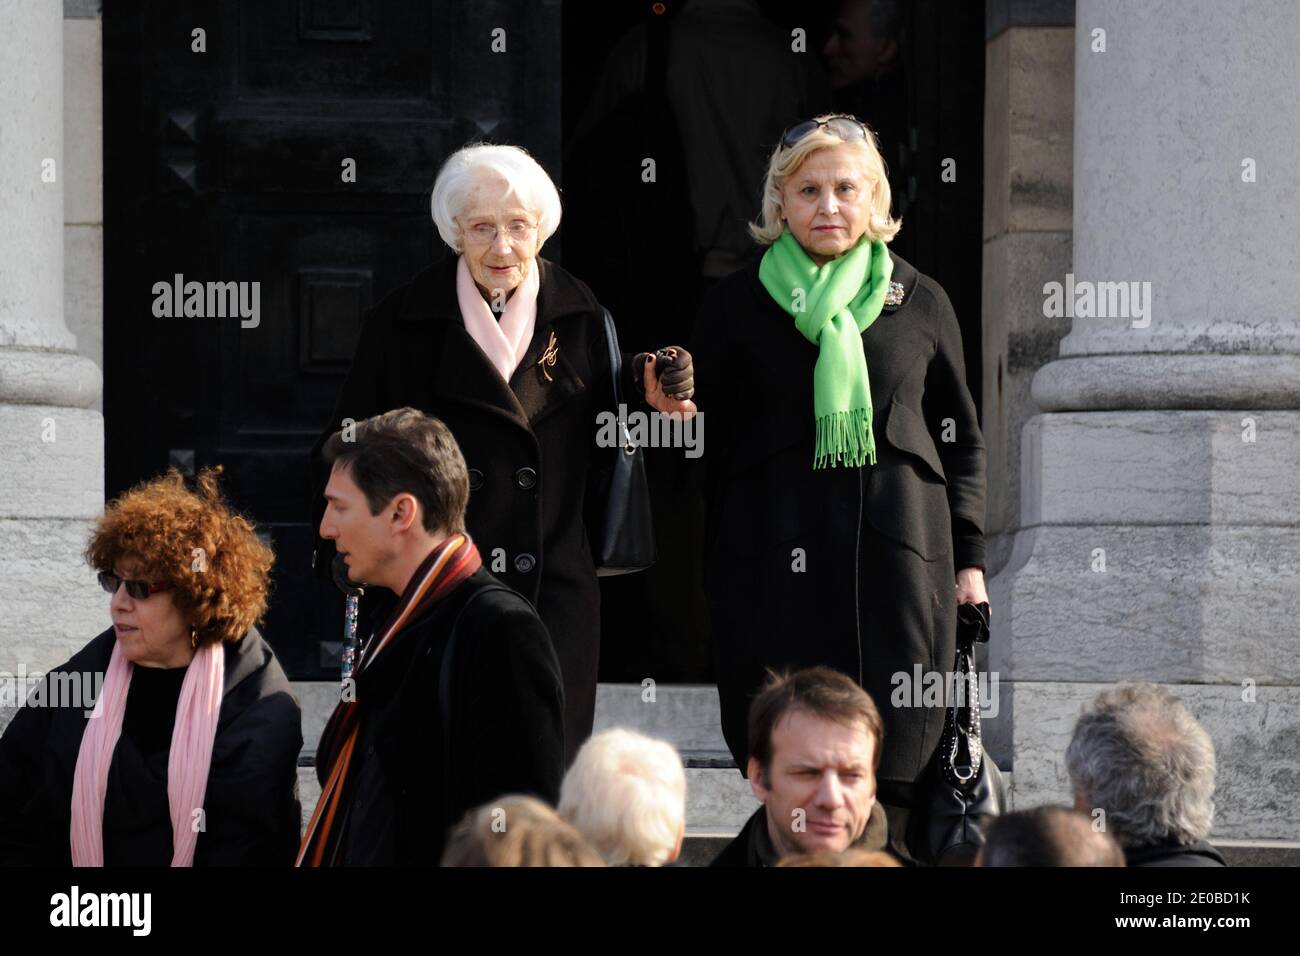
x=525 y=563
x=526 y=478
x=475 y=479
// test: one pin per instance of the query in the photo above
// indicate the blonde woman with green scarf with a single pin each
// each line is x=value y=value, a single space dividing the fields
x=845 y=465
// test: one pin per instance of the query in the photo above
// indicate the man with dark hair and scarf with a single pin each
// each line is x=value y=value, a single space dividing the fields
x=456 y=697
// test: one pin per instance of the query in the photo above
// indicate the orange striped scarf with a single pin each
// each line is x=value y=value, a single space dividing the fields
x=445 y=569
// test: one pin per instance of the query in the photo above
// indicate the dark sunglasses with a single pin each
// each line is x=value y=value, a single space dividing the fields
x=845 y=125
x=137 y=589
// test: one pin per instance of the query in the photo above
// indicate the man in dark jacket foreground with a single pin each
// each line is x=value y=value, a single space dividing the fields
x=815 y=739
x=457 y=697
x=1143 y=766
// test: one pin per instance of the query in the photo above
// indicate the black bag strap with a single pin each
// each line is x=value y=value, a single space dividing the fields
x=615 y=356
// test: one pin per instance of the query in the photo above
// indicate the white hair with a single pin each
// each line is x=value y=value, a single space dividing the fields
x=626 y=793
x=524 y=176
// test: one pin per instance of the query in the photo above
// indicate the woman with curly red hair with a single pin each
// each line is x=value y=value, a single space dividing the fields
x=189 y=756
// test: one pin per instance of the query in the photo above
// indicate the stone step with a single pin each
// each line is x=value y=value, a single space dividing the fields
x=685 y=715
x=718 y=801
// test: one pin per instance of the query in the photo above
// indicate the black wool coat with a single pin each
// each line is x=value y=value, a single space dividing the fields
x=1171 y=853
x=853 y=568
x=251 y=808
x=530 y=445
x=415 y=777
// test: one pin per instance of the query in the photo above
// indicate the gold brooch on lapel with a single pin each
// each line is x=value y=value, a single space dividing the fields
x=895 y=294
x=548 y=357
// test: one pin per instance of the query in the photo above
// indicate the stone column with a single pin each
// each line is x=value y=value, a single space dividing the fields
x=51 y=444
x=1028 y=128
x=1160 y=489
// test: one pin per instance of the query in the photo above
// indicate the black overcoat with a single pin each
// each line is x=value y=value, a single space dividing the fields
x=414 y=776
x=252 y=816
x=848 y=567
x=531 y=446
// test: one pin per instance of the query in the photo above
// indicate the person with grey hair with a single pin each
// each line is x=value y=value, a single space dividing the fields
x=510 y=351
x=1140 y=762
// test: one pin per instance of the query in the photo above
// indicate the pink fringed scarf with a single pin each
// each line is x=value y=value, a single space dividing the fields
x=187 y=764
x=506 y=341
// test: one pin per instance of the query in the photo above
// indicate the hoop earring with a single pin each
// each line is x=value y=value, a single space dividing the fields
x=194 y=638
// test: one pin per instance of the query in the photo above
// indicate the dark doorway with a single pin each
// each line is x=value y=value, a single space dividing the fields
x=226 y=164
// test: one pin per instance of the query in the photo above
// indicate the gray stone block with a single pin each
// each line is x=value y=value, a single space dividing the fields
x=83 y=293
x=1163 y=121
x=1017 y=341
x=52 y=603
x=1028 y=131
x=1175 y=604
x=317 y=700
x=1161 y=467
x=83 y=122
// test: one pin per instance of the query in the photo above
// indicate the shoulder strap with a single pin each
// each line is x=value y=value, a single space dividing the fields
x=615 y=356
x=444 y=675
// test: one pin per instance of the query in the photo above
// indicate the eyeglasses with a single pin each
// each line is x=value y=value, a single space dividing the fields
x=137 y=589
x=484 y=233
x=848 y=127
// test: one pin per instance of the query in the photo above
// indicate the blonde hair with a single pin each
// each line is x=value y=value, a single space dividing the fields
x=785 y=162
x=626 y=793
x=516 y=831
x=525 y=180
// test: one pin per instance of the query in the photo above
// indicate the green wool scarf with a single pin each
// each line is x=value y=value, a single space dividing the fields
x=832 y=306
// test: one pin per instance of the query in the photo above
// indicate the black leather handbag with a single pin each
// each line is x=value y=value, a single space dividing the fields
x=620 y=526
x=961 y=791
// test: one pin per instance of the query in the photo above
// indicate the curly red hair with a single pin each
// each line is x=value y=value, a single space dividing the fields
x=220 y=571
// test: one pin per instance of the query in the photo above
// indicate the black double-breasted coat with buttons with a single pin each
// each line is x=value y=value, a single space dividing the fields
x=848 y=567
x=531 y=444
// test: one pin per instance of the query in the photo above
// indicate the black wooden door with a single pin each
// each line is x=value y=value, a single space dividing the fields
x=229 y=163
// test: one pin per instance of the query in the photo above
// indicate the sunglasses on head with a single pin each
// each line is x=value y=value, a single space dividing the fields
x=848 y=127
x=137 y=589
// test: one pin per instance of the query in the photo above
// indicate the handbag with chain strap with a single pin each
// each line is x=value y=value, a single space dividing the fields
x=961 y=791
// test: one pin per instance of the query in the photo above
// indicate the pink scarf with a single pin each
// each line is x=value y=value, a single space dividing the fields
x=188 y=761
x=506 y=341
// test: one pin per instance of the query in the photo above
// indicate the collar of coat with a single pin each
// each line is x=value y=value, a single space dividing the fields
x=244 y=657
x=757 y=842
x=545 y=377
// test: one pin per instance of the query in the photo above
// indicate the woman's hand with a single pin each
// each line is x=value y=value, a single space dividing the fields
x=670 y=381
x=970 y=588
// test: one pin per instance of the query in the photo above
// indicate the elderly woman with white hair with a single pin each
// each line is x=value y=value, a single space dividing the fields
x=845 y=470
x=510 y=351
x=626 y=793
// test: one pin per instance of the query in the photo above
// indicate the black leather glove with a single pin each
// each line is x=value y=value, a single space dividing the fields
x=675 y=368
